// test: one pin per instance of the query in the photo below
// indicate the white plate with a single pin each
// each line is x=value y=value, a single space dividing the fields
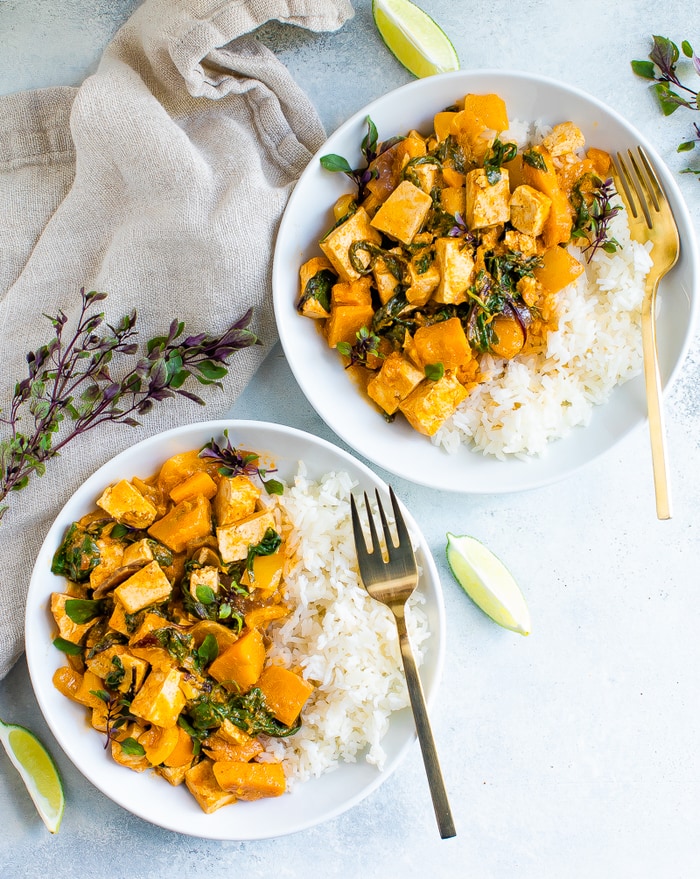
x=318 y=370
x=145 y=794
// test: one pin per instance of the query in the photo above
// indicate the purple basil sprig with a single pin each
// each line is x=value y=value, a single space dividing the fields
x=73 y=376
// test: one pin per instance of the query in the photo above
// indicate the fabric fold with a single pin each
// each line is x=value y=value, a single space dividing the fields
x=160 y=181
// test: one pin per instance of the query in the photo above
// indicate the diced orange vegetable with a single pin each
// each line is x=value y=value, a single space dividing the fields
x=285 y=693
x=159 y=743
x=239 y=667
x=452 y=177
x=266 y=573
x=489 y=109
x=251 y=781
x=509 y=336
x=601 y=161
x=444 y=342
x=183 y=752
x=197 y=483
x=559 y=268
x=67 y=681
x=442 y=124
x=346 y=321
x=186 y=521
x=85 y=693
x=179 y=467
x=224 y=636
x=217 y=748
x=259 y=617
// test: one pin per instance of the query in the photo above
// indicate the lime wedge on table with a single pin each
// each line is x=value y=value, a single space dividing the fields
x=488 y=582
x=38 y=771
x=417 y=41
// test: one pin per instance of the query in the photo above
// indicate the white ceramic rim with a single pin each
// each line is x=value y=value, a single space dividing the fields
x=405 y=453
x=311 y=803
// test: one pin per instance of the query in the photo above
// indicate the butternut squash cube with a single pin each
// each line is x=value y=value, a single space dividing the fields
x=183 y=752
x=455 y=264
x=234 y=540
x=453 y=200
x=403 y=213
x=266 y=574
x=394 y=382
x=285 y=693
x=559 y=268
x=145 y=587
x=239 y=667
x=202 y=784
x=251 y=781
x=336 y=245
x=529 y=209
x=118 y=619
x=346 y=321
x=431 y=403
x=487 y=204
x=197 y=483
x=444 y=342
x=160 y=700
x=188 y=520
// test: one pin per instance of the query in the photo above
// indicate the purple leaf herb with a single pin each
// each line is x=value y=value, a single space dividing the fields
x=70 y=378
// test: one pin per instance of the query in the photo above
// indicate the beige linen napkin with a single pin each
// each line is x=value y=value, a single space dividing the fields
x=160 y=181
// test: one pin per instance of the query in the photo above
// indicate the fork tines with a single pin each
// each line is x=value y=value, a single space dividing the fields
x=643 y=181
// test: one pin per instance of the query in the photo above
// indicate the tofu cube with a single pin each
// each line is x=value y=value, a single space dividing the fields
x=384 y=280
x=111 y=558
x=160 y=699
x=135 y=671
x=336 y=245
x=455 y=265
x=235 y=499
x=422 y=284
x=141 y=551
x=118 y=619
x=519 y=242
x=73 y=632
x=486 y=204
x=125 y=503
x=207 y=577
x=394 y=382
x=320 y=273
x=564 y=138
x=144 y=588
x=234 y=540
x=431 y=403
x=403 y=213
x=529 y=209
x=204 y=787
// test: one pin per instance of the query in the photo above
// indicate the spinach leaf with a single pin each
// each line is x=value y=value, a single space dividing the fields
x=77 y=555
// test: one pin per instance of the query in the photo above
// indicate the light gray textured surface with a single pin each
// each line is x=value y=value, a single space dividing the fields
x=572 y=753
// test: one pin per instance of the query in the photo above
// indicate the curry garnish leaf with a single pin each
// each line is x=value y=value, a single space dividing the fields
x=362 y=175
x=235 y=462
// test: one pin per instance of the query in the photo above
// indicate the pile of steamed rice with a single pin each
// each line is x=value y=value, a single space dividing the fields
x=526 y=403
x=338 y=637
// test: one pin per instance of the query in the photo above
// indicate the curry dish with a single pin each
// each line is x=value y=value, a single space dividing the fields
x=454 y=246
x=170 y=584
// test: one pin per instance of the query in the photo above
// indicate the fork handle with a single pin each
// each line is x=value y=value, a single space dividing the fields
x=425 y=734
x=652 y=381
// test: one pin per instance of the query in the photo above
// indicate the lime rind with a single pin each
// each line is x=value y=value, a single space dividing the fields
x=414 y=38
x=488 y=583
x=38 y=772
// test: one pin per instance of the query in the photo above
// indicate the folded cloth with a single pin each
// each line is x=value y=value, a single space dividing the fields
x=161 y=181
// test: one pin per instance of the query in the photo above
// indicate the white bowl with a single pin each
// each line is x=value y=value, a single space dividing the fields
x=145 y=794
x=318 y=369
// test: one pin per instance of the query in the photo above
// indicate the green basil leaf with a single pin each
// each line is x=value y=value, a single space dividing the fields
x=132 y=747
x=434 y=371
x=205 y=594
x=645 y=69
x=67 y=647
x=208 y=650
x=82 y=610
x=333 y=162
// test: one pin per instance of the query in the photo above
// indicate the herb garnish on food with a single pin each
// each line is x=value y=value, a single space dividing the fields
x=71 y=376
x=662 y=70
x=591 y=199
x=240 y=463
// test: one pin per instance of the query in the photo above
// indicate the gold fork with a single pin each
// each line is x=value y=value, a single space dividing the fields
x=392 y=583
x=650 y=219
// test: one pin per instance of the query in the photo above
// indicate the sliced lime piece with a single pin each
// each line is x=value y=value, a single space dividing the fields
x=38 y=771
x=417 y=41
x=488 y=582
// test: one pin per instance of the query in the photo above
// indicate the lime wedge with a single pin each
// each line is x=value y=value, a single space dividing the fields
x=488 y=582
x=417 y=41
x=38 y=771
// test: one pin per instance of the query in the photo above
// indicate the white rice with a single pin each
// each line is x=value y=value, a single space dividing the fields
x=526 y=403
x=340 y=639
